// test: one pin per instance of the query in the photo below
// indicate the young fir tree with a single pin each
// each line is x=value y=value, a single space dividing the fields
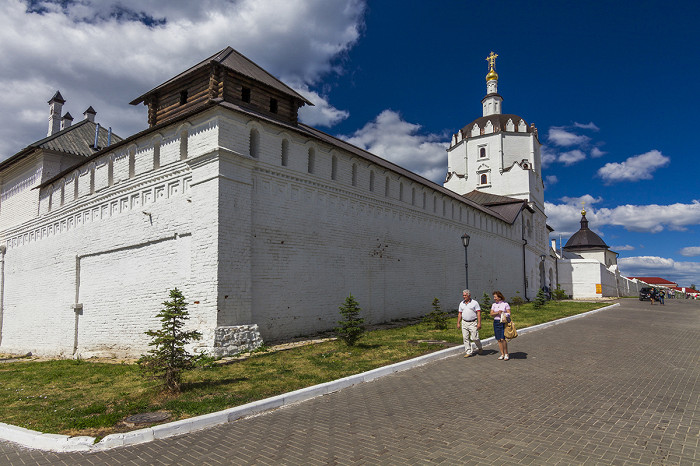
x=559 y=294
x=540 y=299
x=437 y=316
x=517 y=301
x=169 y=358
x=351 y=328
x=486 y=301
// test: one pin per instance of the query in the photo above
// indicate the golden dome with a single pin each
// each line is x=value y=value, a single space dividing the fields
x=492 y=75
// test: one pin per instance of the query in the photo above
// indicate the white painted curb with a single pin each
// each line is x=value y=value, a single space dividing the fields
x=64 y=443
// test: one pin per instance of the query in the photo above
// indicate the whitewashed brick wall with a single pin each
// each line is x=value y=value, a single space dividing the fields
x=249 y=242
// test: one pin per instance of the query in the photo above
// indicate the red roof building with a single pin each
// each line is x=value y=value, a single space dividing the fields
x=655 y=281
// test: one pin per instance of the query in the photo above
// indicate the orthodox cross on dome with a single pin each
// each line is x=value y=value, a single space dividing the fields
x=583 y=207
x=492 y=60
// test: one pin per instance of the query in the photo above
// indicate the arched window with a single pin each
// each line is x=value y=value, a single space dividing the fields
x=400 y=191
x=183 y=145
x=334 y=168
x=354 y=174
x=482 y=152
x=371 y=181
x=254 y=143
x=285 y=152
x=311 y=165
x=413 y=196
x=386 y=187
x=484 y=179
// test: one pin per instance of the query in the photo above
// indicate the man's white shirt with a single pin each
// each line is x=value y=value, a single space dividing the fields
x=469 y=309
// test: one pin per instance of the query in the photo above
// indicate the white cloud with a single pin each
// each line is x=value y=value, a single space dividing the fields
x=579 y=201
x=572 y=157
x=560 y=137
x=652 y=218
x=106 y=53
x=626 y=247
x=592 y=126
x=551 y=179
x=401 y=142
x=682 y=273
x=638 y=167
x=547 y=156
x=690 y=251
x=595 y=153
x=322 y=113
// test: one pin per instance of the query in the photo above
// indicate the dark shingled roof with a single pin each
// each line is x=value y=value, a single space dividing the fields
x=507 y=207
x=233 y=60
x=585 y=238
x=498 y=121
x=77 y=139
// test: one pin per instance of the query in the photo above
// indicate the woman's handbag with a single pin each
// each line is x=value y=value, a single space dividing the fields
x=509 y=331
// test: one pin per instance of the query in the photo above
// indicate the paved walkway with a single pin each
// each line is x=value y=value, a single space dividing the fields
x=617 y=387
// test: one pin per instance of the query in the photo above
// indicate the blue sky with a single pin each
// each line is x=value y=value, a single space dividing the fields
x=611 y=87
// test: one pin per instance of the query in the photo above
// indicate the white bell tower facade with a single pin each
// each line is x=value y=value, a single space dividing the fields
x=497 y=153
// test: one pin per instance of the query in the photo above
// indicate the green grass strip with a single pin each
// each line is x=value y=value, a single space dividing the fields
x=75 y=397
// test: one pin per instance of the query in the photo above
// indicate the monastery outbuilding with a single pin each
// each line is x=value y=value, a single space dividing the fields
x=266 y=224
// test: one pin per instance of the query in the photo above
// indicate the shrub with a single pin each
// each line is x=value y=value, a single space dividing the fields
x=486 y=301
x=351 y=328
x=540 y=299
x=169 y=358
x=437 y=316
x=559 y=294
x=517 y=301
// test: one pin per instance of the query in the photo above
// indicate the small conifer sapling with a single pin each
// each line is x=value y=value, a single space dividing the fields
x=351 y=328
x=169 y=358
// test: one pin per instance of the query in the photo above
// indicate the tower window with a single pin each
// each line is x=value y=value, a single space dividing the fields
x=254 y=148
x=273 y=105
x=482 y=152
x=484 y=179
x=183 y=97
x=245 y=94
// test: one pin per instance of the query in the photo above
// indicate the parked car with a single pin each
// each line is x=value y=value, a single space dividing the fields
x=646 y=293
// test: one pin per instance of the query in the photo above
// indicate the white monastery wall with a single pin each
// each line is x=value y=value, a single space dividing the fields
x=18 y=202
x=586 y=274
x=18 y=199
x=114 y=253
x=247 y=239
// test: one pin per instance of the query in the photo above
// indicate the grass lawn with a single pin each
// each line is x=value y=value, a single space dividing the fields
x=75 y=397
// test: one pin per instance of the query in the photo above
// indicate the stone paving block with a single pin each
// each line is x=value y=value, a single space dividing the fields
x=580 y=393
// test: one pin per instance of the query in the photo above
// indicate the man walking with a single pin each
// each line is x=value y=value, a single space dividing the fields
x=469 y=320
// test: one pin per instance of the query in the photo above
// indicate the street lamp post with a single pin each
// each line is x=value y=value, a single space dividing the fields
x=465 y=242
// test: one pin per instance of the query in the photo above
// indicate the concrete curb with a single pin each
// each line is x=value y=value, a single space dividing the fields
x=63 y=443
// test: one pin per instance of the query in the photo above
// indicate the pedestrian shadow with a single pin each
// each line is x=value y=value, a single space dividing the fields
x=517 y=355
x=488 y=352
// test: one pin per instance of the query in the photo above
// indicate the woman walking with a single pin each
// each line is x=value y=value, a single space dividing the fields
x=500 y=311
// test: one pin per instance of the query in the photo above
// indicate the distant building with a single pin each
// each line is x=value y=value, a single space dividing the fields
x=587 y=268
x=656 y=281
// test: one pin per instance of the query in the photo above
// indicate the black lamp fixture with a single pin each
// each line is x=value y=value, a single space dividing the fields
x=465 y=240
x=465 y=243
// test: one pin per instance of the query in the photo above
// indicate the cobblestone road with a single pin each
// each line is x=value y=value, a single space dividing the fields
x=617 y=387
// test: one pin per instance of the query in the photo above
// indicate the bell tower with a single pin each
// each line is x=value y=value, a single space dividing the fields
x=492 y=102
